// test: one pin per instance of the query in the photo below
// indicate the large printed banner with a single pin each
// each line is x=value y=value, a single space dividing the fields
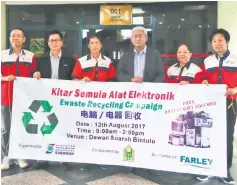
x=170 y=127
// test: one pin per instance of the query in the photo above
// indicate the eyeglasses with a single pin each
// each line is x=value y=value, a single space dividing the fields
x=137 y=36
x=56 y=41
x=16 y=36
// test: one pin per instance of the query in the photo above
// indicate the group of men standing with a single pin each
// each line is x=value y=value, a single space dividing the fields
x=142 y=64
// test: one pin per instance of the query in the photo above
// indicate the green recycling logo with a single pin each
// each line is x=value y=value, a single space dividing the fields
x=33 y=128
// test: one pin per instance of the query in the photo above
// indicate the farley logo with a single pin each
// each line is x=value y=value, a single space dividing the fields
x=196 y=162
x=33 y=128
x=50 y=148
x=128 y=153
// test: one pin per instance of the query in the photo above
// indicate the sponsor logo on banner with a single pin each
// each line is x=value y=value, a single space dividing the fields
x=46 y=127
x=50 y=148
x=196 y=162
x=61 y=149
x=128 y=154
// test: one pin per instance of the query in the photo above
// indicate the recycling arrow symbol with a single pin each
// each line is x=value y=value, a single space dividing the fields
x=33 y=128
x=36 y=104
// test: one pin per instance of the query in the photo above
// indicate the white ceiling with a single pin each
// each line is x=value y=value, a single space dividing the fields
x=83 y=2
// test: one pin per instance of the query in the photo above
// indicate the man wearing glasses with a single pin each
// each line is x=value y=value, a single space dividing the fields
x=14 y=62
x=54 y=65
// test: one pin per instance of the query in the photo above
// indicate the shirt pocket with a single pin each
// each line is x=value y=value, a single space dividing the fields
x=230 y=75
x=172 y=77
x=65 y=65
x=25 y=69
x=66 y=68
x=8 y=68
x=26 y=64
x=211 y=70
x=104 y=69
x=188 y=78
x=231 y=69
x=88 y=69
x=8 y=64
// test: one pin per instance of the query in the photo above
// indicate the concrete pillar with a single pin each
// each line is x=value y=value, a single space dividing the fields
x=227 y=19
x=3 y=25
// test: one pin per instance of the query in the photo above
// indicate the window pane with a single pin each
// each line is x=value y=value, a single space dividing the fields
x=142 y=14
x=37 y=46
x=47 y=15
x=37 y=42
x=168 y=41
x=188 y=23
x=91 y=15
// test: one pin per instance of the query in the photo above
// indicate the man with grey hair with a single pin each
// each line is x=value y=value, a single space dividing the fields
x=143 y=64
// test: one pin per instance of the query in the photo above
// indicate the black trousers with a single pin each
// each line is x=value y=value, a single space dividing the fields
x=231 y=121
x=5 y=128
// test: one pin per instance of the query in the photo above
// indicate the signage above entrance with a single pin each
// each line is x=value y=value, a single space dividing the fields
x=115 y=15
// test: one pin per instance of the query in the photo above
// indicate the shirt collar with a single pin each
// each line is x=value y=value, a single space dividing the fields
x=144 y=50
x=11 y=51
x=187 y=65
x=224 y=56
x=90 y=57
x=59 y=55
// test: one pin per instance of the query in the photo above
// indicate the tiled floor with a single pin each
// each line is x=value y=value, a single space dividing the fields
x=31 y=178
x=56 y=175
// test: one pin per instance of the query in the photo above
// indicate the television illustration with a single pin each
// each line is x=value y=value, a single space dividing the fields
x=191 y=129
